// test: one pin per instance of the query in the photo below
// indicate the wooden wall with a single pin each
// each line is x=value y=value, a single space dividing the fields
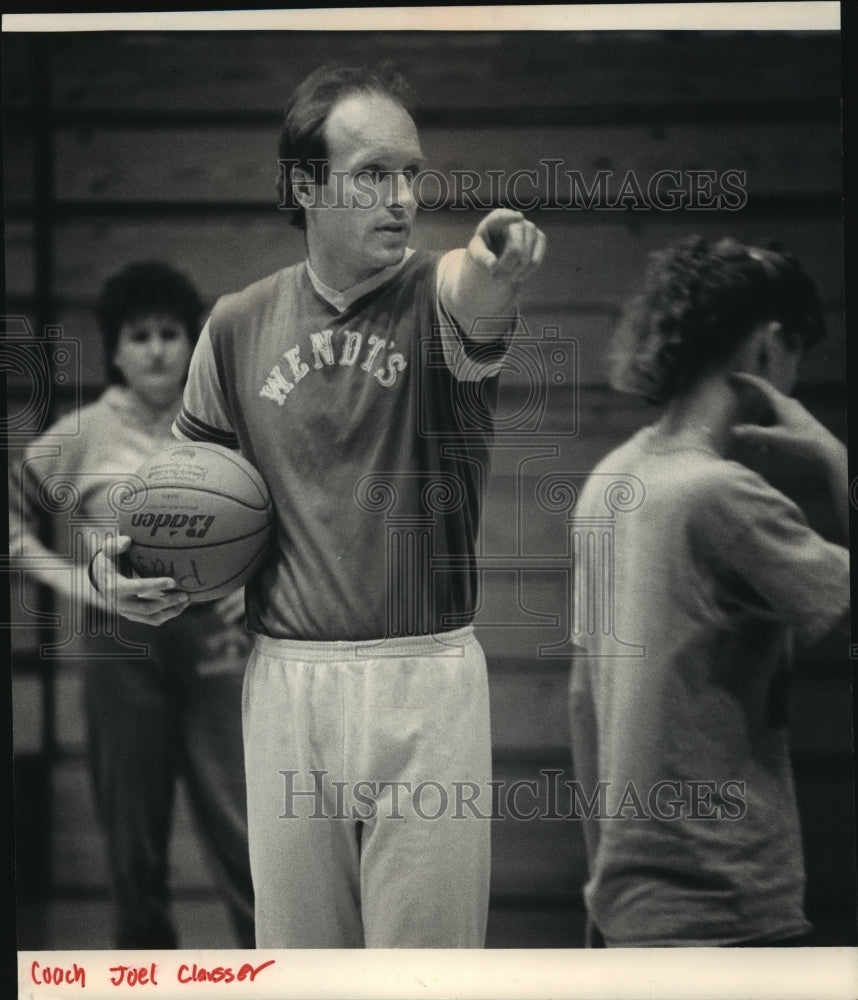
x=121 y=146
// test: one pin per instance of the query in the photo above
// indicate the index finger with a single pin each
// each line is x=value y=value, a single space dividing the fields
x=149 y=588
x=515 y=245
x=500 y=218
x=539 y=248
x=493 y=230
x=110 y=560
x=524 y=250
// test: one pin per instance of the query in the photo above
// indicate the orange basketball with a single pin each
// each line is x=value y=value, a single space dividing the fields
x=200 y=514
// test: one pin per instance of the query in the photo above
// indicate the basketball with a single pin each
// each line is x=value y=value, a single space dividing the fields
x=201 y=514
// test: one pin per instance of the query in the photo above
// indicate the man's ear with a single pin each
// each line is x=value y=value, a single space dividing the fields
x=303 y=187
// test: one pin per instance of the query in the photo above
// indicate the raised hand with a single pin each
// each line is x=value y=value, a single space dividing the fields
x=481 y=281
x=794 y=430
x=507 y=245
x=796 y=433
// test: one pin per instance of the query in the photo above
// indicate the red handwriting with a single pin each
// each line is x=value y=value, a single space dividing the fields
x=57 y=975
x=220 y=974
x=133 y=975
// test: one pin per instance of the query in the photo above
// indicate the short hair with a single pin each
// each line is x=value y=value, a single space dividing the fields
x=302 y=141
x=144 y=288
x=700 y=300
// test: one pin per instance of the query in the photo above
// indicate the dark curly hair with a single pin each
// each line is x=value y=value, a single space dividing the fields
x=302 y=140
x=700 y=300
x=141 y=289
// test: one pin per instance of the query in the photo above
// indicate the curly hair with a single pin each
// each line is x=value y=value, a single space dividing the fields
x=141 y=289
x=700 y=300
x=302 y=141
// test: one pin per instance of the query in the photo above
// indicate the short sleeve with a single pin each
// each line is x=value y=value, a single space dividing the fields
x=205 y=415
x=468 y=360
x=764 y=538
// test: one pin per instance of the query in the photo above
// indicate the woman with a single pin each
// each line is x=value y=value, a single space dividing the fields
x=176 y=710
x=715 y=574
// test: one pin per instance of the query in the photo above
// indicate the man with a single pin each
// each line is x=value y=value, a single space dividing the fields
x=716 y=573
x=340 y=379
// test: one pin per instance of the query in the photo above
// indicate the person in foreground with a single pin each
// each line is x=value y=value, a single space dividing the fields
x=175 y=710
x=717 y=574
x=343 y=380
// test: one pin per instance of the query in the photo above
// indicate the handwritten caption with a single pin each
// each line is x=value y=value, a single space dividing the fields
x=153 y=974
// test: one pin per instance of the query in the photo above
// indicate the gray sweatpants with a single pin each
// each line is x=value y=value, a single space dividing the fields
x=368 y=771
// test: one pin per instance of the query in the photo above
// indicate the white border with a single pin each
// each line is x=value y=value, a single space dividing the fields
x=764 y=16
x=495 y=974
x=618 y=974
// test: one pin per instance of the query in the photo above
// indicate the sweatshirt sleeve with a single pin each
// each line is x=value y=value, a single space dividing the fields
x=758 y=533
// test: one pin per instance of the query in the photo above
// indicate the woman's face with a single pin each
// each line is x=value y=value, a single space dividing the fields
x=152 y=353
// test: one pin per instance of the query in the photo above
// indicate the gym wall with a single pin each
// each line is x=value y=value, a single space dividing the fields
x=120 y=146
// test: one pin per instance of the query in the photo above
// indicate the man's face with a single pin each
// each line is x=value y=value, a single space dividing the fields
x=359 y=221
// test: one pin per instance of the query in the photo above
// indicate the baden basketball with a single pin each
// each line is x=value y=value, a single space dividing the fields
x=201 y=514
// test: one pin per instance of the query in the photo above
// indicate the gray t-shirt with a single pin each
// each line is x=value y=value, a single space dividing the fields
x=693 y=836
x=374 y=454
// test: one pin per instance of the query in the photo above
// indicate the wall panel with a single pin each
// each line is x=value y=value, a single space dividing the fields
x=164 y=145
